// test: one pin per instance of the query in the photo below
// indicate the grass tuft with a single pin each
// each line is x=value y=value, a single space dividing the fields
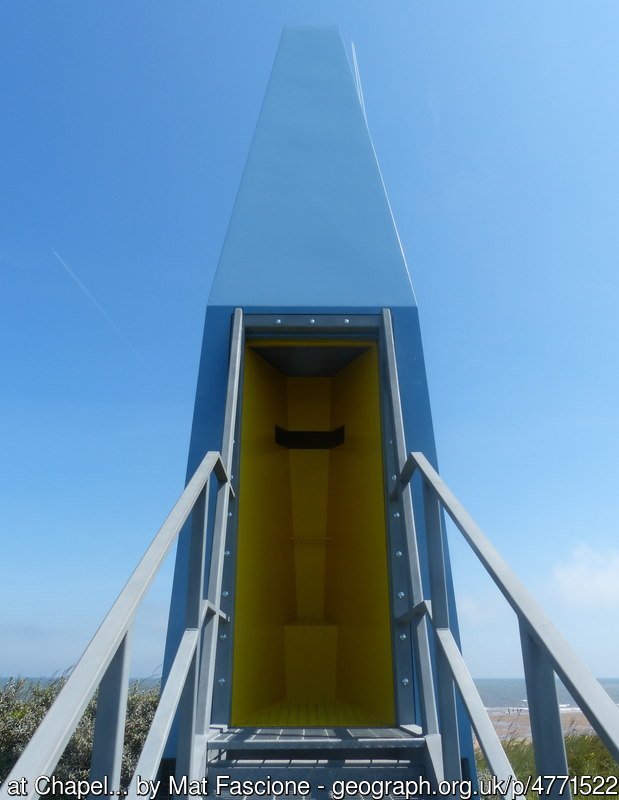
x=586 y=755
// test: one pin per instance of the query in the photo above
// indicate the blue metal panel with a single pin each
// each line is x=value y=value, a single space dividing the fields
x=417 y=415
x=311 y=224
x=311 y=232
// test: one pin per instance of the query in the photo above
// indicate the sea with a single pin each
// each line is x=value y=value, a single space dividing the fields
x=497 y=694
x=510 y=694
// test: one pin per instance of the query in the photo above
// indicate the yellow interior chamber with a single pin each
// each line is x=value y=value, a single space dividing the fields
x=312 y=631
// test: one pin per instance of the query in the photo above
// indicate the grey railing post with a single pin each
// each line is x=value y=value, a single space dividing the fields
x=544 y=716
x=50 y=739
x=421 y=643
x=447 y=711
x=197 y=554
x=193 y=618
x=109 y=734
x=209 y=647
x=487 y=738
x=593 y=701
x=211 y=629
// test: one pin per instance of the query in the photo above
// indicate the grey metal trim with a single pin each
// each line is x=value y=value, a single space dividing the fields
x=481 y=722
x=109 y=733
x=208 y=652
x=578 y=680
x=310 y=323
x=221 y=695
x=232 y=393
x=194 y=616
x=421 y=640
x=261 y=740
x=209 y=610
x=447 y=710
x=434 y=747
x=546 y=728
x=197 y=551
x=323 y=774
x=187 y=711
x=150 y=758
x=209 y=646
x=407 y=703
x=403 y=479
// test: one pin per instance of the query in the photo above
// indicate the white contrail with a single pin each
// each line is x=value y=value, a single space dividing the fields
x=100 y=308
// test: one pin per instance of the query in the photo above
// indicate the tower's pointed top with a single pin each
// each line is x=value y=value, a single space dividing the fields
x=311 y=226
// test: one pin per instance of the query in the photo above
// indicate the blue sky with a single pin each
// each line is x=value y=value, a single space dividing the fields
x=124 y=132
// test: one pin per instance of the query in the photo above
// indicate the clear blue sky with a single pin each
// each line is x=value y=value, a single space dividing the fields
x=125 y=126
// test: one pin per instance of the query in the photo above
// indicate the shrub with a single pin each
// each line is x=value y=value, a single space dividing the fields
x=24 y=703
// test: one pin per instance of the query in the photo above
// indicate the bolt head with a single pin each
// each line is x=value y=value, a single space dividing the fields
x=278 y=322
x=223 y=636
x=405 y=681
x=221 y=681
x=225 y=593
x=346 y=321
x=396 y=514
x=398 y=554
x=312 y=321
x=401 y=595
x=394 y=477
x=403 y=637
x=226 y=552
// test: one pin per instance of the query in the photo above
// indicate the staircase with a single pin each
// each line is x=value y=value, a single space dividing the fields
x=320 y=756
x=315 y=733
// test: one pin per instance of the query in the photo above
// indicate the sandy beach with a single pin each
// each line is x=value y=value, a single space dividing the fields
x=514 y=722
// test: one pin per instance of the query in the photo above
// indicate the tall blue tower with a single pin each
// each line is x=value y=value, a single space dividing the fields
x=312 y=646
x=322 y=557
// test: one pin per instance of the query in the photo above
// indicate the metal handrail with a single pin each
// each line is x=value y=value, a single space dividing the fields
x=51 y=737
x=536 y=627
x=481 y=722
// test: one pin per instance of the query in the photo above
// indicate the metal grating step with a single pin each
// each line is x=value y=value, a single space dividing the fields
x=323 y=777
x=315 y=739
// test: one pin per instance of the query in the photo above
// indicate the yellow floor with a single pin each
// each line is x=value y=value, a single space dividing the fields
x=296 y=712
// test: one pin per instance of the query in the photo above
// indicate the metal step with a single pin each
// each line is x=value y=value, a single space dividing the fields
x=325 y=757
x=326 y=778
x=323 y=740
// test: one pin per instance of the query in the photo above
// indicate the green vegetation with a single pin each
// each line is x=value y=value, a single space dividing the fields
x=23 y=704
x=586 y=755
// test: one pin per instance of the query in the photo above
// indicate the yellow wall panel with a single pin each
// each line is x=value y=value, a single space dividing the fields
x=264 y=588
x=312 y=635
x=358 y=595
